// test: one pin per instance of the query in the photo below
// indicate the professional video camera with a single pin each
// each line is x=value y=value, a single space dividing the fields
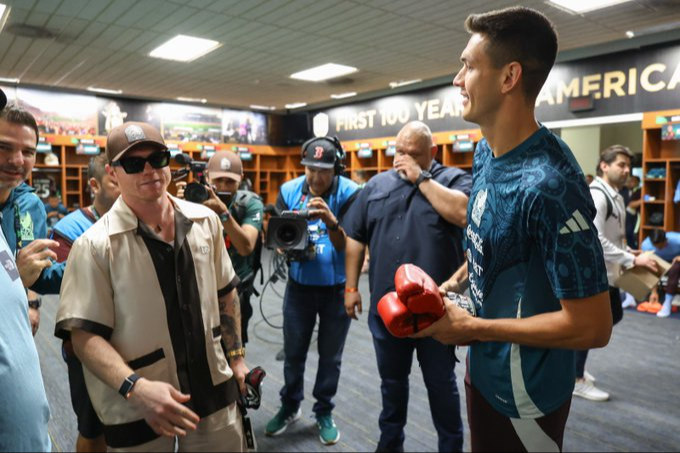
x=194 y=191
x=197 y=191
x=288 y=231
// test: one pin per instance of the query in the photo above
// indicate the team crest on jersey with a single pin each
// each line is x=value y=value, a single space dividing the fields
x=479 y=207
x=27 y=227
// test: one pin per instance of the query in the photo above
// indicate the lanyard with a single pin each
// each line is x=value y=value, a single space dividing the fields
x=17 y=228
x=302 y=202
x=95 y=213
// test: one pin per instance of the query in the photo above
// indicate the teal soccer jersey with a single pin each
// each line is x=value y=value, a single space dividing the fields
x=531 y=242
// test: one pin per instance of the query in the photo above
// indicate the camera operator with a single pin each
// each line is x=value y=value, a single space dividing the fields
x=241 y=212
x=316 y=285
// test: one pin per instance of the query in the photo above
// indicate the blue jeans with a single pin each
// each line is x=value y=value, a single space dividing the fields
x=437 y=362
x=301 y=306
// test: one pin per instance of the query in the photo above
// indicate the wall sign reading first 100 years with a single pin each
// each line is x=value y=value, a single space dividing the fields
x=634 y=81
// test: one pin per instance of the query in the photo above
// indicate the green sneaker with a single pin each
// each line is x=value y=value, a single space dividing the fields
x=281 y=420
x=328 y=432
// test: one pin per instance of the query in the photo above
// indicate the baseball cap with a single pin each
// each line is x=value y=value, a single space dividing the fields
x=319 y=153
x=51 y=160
x=3 y=99
x=225 y=164
x=130 y=135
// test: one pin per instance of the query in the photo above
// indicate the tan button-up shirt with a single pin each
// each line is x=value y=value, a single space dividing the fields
x=167 y=327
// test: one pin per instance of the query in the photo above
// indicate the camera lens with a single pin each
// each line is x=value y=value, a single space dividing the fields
x=196 y=193
x=288 y=235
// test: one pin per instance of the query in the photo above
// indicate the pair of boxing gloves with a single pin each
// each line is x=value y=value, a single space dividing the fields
x=417 y=303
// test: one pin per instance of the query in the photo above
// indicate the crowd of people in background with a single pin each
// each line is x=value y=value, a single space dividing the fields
x=155 y=290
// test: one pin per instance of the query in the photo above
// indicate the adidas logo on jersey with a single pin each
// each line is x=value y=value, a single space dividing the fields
x=575 y=224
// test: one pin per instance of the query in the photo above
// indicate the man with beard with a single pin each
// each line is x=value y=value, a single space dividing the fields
x=105 y=192
x=613 y=171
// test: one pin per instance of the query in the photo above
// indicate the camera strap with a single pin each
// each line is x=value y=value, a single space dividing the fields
x=303 y=203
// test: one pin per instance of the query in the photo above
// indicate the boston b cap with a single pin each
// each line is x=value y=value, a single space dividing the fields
x=225 y=164
x=319 y=153
x=130 y=135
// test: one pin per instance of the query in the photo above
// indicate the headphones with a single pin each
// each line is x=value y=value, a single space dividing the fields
x=340 y=155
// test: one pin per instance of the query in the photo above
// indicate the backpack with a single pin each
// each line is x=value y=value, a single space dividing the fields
x=610 y=203
x=243 y=197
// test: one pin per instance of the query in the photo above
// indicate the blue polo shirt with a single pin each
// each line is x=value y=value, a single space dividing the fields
x=667 y=253
x=328 y=267
x=400 y=226
x=531 y=242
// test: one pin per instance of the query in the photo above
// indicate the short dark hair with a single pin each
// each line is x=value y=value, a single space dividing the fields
x=12 y=113
x=519 y=34
x=97 y=167
x=657 y=236
x=608 y=156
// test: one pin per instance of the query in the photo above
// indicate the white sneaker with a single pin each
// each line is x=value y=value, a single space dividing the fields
x=629 y=302
x=676 y=300
x=665 y=311
x=589 y=377
x=587 y=390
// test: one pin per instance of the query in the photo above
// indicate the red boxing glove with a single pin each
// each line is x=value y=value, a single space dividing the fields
x=414 y=306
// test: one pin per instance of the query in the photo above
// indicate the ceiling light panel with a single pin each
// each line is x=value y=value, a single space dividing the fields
x=262 y=107
x=104 y=90
x=184 y=48
x=343 y=95
x=584 y=6
x=324 y=72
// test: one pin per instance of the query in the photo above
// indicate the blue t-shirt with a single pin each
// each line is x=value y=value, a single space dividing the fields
x=24 y=412
x=328 y=267
x=667 y=253
x=73 y=225
x=60 y=210
x=531 y=242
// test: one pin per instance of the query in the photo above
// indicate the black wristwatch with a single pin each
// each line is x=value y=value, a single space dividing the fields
x=424 y=175
x=128 y=385
x=334 y=227
x=35 y=303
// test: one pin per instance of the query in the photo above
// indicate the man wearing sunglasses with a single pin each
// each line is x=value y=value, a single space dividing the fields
x=149 y=298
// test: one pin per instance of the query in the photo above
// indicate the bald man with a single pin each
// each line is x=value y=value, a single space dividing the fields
x=414 y=213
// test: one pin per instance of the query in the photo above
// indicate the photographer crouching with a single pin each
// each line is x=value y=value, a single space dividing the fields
x=241 y=212
x=316 y=283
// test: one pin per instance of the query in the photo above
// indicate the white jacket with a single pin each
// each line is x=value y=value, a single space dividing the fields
x=612 y=231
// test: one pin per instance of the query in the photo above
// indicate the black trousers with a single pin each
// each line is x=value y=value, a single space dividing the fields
x=246 y=314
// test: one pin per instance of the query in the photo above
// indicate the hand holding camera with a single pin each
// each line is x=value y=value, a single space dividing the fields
x=318 y=209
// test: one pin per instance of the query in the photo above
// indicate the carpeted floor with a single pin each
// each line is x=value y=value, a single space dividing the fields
x=640 y=368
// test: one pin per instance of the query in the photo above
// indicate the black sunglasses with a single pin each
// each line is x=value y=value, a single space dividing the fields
x=132 y=165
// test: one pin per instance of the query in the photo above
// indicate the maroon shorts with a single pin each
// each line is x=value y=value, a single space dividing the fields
x=492 y=431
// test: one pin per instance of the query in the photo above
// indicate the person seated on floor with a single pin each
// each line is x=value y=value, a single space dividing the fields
x=55 y=210
x=667 y=247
